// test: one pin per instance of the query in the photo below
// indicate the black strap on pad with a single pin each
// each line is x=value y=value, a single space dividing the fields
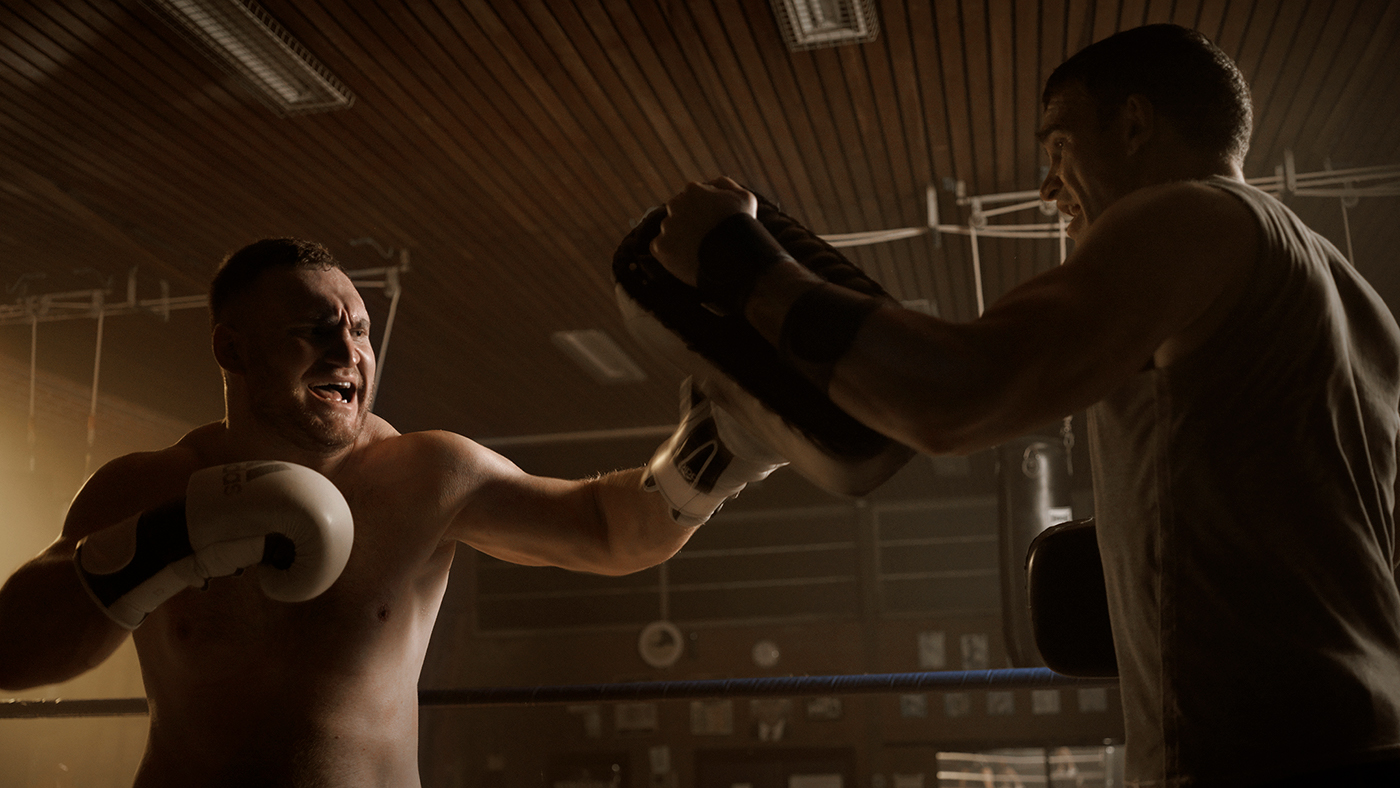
x=822 y=323
x=732 y=257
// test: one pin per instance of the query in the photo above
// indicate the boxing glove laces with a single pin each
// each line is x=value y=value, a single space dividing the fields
x=286 y=517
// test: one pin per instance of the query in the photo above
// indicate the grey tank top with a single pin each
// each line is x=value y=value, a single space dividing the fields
x=1244 y=503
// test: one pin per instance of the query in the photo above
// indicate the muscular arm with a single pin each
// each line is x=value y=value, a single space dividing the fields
x=50 y=630
x=1152 y=278
x=606 y=525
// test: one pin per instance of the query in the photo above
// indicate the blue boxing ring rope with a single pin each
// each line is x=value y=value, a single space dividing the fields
x=868 y=683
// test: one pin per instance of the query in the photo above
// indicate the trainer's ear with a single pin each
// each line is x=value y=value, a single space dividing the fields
x=228 y=349
x=1139 y=120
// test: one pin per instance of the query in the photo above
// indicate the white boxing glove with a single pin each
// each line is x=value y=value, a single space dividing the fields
x=708 y=460
x=287 y=517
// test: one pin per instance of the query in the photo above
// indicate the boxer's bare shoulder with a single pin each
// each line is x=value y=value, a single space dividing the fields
x=473 y=495
x=133 y=483
x=437 y=473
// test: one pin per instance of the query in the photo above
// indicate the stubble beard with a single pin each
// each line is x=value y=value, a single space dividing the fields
x=295 y=420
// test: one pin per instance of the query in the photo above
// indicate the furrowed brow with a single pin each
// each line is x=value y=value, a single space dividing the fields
x=1045 y=132
x=331 y=318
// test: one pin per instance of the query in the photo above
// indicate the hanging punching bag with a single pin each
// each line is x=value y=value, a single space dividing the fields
x=1033 y=474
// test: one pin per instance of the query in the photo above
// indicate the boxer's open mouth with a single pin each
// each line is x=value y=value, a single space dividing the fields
x=338 y=392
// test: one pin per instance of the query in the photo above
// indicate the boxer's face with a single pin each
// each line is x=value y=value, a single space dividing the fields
x=309 y=364
x=1088 y=169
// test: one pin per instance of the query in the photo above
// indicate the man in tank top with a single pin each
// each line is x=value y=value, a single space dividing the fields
x=1242 y=382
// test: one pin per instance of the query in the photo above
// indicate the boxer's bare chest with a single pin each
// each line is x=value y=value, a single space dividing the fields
x=372 y=624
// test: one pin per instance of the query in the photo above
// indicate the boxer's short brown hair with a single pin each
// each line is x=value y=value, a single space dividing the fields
x=239 y=270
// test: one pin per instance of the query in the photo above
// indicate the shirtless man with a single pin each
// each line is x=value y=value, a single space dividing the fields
x=1242 y=382
x=245 y=690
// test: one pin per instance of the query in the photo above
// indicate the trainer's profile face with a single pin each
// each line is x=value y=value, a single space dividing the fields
x=1087 y=161
x=310 y=364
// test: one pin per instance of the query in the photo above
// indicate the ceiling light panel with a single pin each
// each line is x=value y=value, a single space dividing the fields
x=597 y=353
x=244 y=40
x=807 y=24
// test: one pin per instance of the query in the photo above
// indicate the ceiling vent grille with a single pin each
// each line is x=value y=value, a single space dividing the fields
x=808 y=24
x=245 y=41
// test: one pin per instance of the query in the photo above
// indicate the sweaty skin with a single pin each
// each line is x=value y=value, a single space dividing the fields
x=247 y=691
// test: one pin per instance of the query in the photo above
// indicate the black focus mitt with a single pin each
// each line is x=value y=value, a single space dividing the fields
x=743 y=372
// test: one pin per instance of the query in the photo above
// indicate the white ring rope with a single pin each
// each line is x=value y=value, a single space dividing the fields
x=33 y=433
x=1327 y=183
x=96 y=371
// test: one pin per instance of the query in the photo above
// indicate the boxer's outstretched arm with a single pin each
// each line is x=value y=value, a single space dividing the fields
x=1152 y=278
x=50 y=630
x=607 y=525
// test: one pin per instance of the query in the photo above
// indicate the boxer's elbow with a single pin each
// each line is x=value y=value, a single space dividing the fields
x=948 y=391
x=642 y=546
x=968 y=420
x=611 y=535
x=15 y=667
x=630 y=528
x=946 y=412
x=625 y=557
x=22 y=666
x=976 y=426
x=21 y=669
x=946 y=434
x=627 y=564
x=936 y=442
x=23 y=661
x=50 y=631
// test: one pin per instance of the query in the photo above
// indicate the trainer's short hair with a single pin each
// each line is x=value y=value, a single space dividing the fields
x=1185 y=76
x=240 y=270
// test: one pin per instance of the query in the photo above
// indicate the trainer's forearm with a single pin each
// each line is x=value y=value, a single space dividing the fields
x=50 y=630
x=912 y=377
x=773 y=295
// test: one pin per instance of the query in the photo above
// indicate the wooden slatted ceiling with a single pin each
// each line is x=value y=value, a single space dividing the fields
x=509 y=146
